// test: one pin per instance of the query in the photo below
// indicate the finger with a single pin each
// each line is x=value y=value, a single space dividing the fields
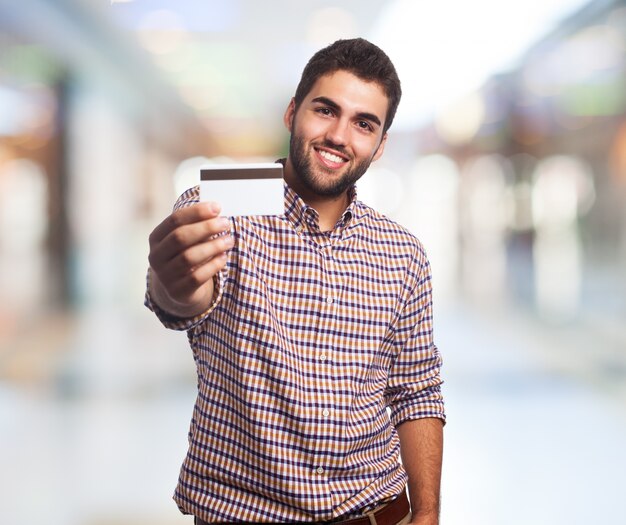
x=197 y=255
x=200 y=211
x=185 y=237
x=199 y=277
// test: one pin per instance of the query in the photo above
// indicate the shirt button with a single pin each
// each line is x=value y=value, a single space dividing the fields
x=326 y=413
x=322 y=357
x=319 y=470
x=329 y=300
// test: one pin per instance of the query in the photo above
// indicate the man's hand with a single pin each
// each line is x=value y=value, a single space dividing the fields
x=186 y=252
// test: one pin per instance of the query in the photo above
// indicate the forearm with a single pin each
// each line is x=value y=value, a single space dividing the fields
x=421 y=444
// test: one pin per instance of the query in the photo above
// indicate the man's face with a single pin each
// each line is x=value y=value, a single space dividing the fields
x=336 y=133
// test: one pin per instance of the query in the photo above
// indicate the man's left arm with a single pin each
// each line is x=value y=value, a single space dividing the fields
x=414 y=396
x=421 y=447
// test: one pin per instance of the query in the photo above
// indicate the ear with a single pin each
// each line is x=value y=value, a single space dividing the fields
x=289 y=114
x=381 y=148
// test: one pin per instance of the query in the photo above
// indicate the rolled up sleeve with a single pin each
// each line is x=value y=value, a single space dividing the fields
x=414 y=384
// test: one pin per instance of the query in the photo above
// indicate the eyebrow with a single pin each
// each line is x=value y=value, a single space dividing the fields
x=364 y=115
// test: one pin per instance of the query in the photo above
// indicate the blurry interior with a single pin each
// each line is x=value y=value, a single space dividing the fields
x=508 y=160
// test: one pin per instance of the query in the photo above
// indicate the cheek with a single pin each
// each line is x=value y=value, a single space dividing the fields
x=311 y=129
x=365 y=148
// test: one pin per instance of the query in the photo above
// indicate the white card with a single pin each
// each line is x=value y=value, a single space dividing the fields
x=244 y=189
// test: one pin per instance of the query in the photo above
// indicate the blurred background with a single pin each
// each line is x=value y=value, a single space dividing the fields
x=507 y=158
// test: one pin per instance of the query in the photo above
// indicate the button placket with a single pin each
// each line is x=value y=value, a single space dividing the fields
x=325 y=398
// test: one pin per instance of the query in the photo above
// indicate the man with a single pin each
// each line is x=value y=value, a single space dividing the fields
x=312 y=331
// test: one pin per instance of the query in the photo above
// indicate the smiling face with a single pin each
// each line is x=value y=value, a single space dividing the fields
x=336 y=133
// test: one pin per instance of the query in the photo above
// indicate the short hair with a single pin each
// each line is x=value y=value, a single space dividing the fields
x=359 y=57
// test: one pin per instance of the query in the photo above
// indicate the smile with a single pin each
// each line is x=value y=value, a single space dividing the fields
x=331 y=157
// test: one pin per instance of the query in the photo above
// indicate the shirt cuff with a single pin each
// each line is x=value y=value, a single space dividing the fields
x=428 y=403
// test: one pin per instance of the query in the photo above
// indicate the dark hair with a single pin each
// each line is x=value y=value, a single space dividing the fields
x=359 y=57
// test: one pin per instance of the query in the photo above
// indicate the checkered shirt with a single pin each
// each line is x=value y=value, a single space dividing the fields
x=317 y=345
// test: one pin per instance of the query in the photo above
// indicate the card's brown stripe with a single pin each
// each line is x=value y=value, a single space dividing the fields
x=228 y=174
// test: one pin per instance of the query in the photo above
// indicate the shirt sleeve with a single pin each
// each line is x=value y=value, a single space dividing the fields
x=188 y=198
x=414 y=384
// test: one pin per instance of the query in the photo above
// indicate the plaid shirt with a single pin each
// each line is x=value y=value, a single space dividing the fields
x=317 y=345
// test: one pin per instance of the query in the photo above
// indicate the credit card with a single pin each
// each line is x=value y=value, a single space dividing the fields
x=244 y=189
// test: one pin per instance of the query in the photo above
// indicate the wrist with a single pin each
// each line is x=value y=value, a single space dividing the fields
x=424 y=520
x=425 y=517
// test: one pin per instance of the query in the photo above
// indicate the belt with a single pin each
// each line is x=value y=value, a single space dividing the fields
x=389 y=514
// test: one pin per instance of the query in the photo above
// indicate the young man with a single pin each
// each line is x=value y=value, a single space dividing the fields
x=312 y=331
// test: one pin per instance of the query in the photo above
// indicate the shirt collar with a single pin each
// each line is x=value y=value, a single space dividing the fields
x=299 y=213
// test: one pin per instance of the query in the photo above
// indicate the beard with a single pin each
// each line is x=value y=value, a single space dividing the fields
x=315 y=180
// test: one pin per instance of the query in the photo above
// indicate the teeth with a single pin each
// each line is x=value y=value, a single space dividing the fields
x=331 y=157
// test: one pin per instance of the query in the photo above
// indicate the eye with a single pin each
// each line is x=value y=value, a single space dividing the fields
x=364 y=125
x=327 y=112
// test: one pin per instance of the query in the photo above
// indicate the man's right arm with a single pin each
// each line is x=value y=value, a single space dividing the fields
x=187 y=250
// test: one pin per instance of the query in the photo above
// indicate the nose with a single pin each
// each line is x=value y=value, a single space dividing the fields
x=338 y=131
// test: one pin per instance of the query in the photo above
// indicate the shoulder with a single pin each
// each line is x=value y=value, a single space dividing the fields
x=385 y=231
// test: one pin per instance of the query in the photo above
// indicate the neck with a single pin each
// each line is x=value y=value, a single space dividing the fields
x=329 y=209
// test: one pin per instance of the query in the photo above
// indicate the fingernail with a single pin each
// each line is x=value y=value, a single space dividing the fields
x=214 y=207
